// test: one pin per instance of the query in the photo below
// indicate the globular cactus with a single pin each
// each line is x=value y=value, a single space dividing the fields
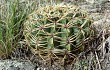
x=58 y=26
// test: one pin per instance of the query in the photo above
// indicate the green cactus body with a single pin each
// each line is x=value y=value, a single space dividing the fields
x=60 y=26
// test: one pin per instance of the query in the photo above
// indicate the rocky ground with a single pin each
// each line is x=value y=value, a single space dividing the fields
x=16 y=65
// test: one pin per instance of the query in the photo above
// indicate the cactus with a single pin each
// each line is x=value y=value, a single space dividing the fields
x=58 y=26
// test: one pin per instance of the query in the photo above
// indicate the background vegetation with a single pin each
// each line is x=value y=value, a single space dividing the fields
x=12 y=16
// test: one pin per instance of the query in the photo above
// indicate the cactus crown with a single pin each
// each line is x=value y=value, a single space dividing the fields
x=61 y=26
